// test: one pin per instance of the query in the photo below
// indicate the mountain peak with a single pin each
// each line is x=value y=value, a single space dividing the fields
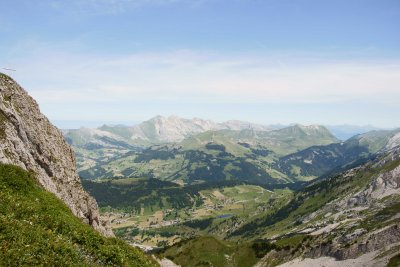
x=175 y=129
x=308 y=131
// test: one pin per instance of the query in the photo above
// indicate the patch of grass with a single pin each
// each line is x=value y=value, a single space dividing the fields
x=209 y=251
x=4 y=76
x=3 y=120
x=201 y=251
x=36 y=228
x=291 y=242
x=7 y=98
x=394 y=261
x=381 y=218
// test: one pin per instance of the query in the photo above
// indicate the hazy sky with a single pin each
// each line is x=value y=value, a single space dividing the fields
x=266 y=61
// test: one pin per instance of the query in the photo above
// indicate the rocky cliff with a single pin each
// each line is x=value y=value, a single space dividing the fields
x=29 y=140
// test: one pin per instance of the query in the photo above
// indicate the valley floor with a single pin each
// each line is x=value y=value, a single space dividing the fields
x=154 y=226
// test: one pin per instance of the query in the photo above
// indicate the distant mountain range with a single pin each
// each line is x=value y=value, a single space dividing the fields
x=161 y=129
x=157 y=130
x=190 y=150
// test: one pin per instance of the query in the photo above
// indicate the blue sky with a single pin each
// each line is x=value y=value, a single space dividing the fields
x=266 y=61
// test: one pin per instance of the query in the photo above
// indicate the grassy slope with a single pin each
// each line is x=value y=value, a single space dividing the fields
x=234 y=203
x=209 y=251
x=131 y=194
x=36 y=228
x=211 y=163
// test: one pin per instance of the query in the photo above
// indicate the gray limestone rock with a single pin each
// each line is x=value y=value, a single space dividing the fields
x=29 y=140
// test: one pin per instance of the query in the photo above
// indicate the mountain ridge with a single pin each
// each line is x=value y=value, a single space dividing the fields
x=173 y=129
x=342 y=132
x=222 y=154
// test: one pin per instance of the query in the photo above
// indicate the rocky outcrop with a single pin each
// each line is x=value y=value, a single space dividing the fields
x=385 y=184
x=394 y=141
x=29 y=140
x=370 y=242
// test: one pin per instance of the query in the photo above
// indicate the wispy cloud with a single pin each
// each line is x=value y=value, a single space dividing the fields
x=71 y=85
x=54 y=76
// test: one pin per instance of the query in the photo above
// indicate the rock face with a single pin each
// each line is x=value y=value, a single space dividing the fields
x=29 y=140
x=175 y=129
x=368 y=243
x=385 y=184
